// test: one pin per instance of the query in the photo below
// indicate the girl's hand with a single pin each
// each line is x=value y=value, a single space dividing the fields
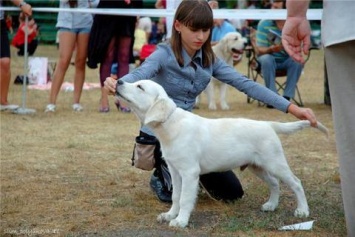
x=303 y=114
x=110 y=85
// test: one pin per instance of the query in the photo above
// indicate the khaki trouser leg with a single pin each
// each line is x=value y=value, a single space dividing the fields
x=340 y=60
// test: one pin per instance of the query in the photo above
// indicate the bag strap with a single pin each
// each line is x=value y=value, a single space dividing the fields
x=132 y=159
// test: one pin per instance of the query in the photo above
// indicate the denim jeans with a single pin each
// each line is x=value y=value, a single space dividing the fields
x=269 y=66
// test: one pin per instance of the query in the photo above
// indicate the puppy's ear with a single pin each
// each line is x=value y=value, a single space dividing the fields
x=224 y=42
x=159 y=111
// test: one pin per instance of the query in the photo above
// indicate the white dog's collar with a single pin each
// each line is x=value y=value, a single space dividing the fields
x=167 y=118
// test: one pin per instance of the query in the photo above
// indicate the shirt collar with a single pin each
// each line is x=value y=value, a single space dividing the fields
x=196 y=59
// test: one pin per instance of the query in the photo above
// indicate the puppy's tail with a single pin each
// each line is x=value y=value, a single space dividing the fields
x=292 y=127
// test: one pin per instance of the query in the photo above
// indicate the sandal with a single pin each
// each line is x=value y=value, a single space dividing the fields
x=125 y=109
x=104 y=109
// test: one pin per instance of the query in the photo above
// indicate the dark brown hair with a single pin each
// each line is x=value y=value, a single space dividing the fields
x=195 y=14
x=73 y=3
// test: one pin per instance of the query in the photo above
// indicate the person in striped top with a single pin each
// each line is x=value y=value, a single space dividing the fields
x=272 y=56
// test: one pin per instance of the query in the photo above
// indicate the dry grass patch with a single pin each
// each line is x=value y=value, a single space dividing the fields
x=69 y=174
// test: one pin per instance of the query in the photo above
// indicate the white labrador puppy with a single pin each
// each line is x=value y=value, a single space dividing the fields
x=193 y=145
x=230 y=48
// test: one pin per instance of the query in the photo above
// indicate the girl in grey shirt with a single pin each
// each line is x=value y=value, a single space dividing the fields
x=184 y=67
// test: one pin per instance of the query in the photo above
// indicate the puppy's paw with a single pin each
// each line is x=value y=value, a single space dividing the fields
x=300 y=213
x=165 y=217
x=225 y=106
x=178 y=223
x=212 y=107
x=269 y=206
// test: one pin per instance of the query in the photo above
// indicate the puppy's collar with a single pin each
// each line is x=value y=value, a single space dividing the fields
x=167 y=118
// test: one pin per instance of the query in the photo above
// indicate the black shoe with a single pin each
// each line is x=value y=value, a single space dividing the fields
x=158 y=186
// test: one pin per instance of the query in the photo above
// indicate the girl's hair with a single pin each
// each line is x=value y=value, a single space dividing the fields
x=195 y=14
x=73 y=3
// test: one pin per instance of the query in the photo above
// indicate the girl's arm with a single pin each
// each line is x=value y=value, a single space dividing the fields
x=227 y=74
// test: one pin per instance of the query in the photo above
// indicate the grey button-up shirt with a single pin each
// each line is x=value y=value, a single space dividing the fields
x=184 y=84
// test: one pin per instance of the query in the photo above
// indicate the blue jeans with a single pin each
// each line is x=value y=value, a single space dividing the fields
x=268 y=70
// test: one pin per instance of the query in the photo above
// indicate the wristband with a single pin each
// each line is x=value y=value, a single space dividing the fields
x=22 y=4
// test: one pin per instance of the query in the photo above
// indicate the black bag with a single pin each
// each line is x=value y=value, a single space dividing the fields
x=19 y=79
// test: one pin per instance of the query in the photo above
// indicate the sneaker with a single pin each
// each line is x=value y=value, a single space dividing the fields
x=50 y=108
x=157 y=185
x=8 y=107
x=77 y=107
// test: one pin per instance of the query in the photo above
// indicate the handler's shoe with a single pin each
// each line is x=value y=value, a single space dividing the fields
x=160 y=189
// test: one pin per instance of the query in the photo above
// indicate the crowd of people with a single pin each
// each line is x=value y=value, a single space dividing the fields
x=186 y=47
x=82 y=41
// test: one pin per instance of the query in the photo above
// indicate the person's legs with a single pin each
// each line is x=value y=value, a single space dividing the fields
x=5 y=73
x=268 y=68
x=124 y=53
x=105 y=71
x=67 y=41
x=222 y=185
x=160 y=180
x=21 y=50
x=340 y=62
x=5 y=63
x=32 y=47
x=80 y=64
x=294 y=71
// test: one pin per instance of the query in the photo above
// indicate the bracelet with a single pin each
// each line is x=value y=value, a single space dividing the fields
x=22 y=4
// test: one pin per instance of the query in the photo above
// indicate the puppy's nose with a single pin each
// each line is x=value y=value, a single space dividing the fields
x=119 y=83
x=246 y=44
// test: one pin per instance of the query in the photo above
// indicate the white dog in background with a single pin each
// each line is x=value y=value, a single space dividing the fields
x=230 y=48
x=193 y=145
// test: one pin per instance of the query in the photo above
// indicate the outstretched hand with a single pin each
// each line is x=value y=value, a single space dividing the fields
x=296 y=37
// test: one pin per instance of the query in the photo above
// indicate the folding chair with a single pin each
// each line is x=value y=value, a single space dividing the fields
x=254 y=70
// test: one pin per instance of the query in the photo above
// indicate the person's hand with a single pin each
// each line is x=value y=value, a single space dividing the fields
x=276 y=48
x=110 y=85
x=27 y=9
x=303 y=114
x=296 y=37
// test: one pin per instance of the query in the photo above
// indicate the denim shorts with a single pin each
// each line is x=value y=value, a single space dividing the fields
x=75 y=30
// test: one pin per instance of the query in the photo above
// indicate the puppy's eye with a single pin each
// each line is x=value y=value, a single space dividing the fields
x=236 y=38
x=140 y=87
